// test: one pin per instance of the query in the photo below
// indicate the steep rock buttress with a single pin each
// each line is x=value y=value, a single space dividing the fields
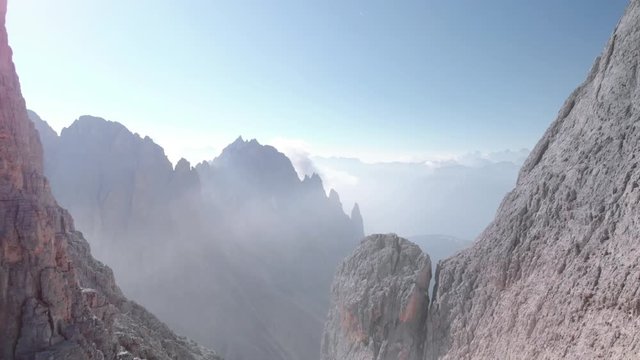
x=557 y=273
x=379 y=302
x=56 y=301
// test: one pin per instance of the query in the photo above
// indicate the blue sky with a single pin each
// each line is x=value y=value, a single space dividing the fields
x=376 y=79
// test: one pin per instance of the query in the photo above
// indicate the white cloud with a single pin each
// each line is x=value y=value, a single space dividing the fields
x=337 y=179
x=478 y=159
x=298 y=152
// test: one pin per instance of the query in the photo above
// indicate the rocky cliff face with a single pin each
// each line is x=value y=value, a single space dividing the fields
x=380 y=302
x=56 y=301
x=556 y=275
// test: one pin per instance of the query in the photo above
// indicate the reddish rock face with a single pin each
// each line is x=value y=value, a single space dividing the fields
x=37 y=297
x=44 y=263
x=379 y=302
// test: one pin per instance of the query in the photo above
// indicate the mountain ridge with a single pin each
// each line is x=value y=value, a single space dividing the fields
x=198 y=228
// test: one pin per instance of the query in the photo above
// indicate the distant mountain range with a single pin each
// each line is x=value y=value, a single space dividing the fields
x=237 y=252
x=454 y=197
x=243 y=232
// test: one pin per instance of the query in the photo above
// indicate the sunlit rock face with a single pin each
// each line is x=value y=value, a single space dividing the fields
x=56 y=301
x=379 y=302
x=556 y=274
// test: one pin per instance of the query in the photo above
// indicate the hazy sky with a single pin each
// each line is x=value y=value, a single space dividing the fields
x=376 y=79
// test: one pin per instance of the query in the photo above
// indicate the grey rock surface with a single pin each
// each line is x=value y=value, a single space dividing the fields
x=379 y=302
x=556 y=275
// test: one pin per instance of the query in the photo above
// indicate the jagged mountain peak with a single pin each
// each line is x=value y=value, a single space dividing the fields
x=334 y=197
x=252 y=154
x=314 y=180
x=356 y=218
x=243 y=207
x=239 y=141
x=251 y=149
x=355 y=211
x=90 y=123
x=183 y=165
x=105 y=140
x=240 y=144
x=252 y=166
x=94 y=127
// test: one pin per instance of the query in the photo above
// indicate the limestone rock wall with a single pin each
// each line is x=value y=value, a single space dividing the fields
x=379 y=302
x=56 y=301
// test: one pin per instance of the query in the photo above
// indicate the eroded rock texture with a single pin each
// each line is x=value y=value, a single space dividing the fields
x=557 y=274
x=379 y=302
x=56 y=301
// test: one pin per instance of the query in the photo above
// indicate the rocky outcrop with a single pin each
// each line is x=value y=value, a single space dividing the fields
x=556 y=274
x=356 y=218
x=379 y=302
x=138 y=332
x=56 y=301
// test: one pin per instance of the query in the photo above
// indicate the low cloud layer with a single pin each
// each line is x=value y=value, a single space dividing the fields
x=453 y=195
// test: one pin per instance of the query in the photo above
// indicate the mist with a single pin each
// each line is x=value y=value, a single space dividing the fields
x=455 y=196
x=238 y=252
x=393 y=195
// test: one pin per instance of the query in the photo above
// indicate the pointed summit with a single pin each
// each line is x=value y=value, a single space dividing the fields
x=183 y=165
x=237 y=142
x=334 y=197
x=240 y=144
x=313 y=179
x=251 y=165
x=358 y=222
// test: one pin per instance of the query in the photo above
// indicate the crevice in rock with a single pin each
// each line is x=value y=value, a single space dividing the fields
x=19 y=318
x=610 y=52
